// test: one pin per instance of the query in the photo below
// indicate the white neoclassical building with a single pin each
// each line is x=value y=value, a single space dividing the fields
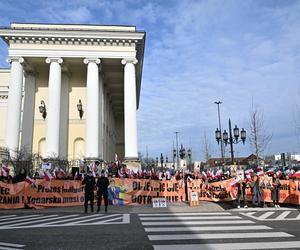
x=72 y=90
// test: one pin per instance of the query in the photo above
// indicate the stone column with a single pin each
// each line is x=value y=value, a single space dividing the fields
x=28 y=111
x=130 y=122
x=53 y=107
x=100 y=140
x=14 y=103
x=92 y=109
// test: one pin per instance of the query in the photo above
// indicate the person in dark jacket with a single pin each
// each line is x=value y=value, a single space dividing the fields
x=102 y=185
x=89 y=182
x=256 y=192
x=241 y=193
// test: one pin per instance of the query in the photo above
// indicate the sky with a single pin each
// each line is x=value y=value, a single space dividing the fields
x=242 y=53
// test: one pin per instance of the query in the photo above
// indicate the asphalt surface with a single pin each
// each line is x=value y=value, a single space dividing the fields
x=176 y=227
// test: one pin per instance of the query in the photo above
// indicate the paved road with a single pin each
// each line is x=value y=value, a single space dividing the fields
x=235 y=229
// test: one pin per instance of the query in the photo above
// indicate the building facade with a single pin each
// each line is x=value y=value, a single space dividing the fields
x=72 y=90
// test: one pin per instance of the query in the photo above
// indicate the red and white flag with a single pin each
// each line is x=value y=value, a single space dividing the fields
x=260 y=173
x=76 y=175
x=234 y=183
x=29 y=180
x=204 y=175
x=297 y=174
x=248 y=177
x=249 y=171
x=48 y=176
x=3 y=173
x=270 y=171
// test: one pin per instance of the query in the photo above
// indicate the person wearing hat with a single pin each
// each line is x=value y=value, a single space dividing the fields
x=102 y=185
x=89 y=182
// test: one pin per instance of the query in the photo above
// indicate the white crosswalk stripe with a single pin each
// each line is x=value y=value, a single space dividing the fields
x=10 y=246
x=55 y=220
x=273 y=216
x=211 y=231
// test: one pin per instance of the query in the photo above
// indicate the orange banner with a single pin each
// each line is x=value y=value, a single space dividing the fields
x=141 y=191
x=54 y=193
x=221 y=191
x=11 y=195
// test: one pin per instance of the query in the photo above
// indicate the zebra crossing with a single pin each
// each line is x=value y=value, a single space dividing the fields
x=212 y=231
x=273 y=215
x=11 y=246
x=55 y=220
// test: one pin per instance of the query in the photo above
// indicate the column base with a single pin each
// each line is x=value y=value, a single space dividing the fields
x=133 y=164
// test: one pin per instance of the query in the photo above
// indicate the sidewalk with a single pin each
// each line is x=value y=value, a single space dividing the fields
x=205 y=206
x=132 y=209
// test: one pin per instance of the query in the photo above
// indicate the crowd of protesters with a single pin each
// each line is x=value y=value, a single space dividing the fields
x=241 y=179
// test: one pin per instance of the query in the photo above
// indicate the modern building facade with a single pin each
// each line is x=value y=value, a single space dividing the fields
x=72 y=90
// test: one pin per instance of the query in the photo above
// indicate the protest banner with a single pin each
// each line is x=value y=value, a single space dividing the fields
x=54 y=193
x=11 y=195
x=141 y=191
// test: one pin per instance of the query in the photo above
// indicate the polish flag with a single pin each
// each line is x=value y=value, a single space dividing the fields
x=296 y=175
x=234 y=183
x=82 y=177
x=248 y=177
x=54 y=174
x=3 y=173
x=259 y=169
x=260 y=173
x=94 y=174
x=279 y=173
x=48 y=176
x=204 y=175
x=5 y=168
x=29 y=180
x=76 y=175
x=249 y=171
x=61 y=173
x=219 y=173
x=270 y=171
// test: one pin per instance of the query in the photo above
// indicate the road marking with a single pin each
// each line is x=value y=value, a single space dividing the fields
x=213 y=228
x=49 y=223
x=28 y=220
x=162 y=223
x=20 y=217
x=99 y=217
x=109 y=220
x=10 y=246
x=219 y=236
x=191 y=218
x=84 y=219
x=183 y=214
x=232 y=246
x=264 y=217
x=282 y=215
x=7 y=216
x=45 y=218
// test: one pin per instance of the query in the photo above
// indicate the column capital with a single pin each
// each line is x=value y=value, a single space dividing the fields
x=129 y=60
x=91 y=60
x=15 y=59
x=54 y=59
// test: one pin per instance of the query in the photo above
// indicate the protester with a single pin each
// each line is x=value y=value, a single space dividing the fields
x=89 y=182
x=275 y=190
x=241 y=193
x=256 y=192
x=102 y=185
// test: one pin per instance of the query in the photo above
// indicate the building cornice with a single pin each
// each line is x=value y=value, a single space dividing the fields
x=80 y=37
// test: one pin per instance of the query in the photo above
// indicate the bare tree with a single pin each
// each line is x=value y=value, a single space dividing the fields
x=206 y=147
x=259 y=138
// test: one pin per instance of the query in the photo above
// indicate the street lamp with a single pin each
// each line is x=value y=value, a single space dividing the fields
x=161 y=160
x=42 y=109
x=232 y=139
x=182 y=152
x=79 y=108
x=219 y=131
x=189 y=152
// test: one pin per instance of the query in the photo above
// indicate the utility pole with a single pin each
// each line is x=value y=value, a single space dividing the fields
x=177 y=153
x=220 y=128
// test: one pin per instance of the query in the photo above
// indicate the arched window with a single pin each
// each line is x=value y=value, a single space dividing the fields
x=42 y=147
x=78 y=148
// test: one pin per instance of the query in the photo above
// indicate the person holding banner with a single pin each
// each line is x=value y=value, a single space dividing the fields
x=241 y=193
x=89 y=182
x=256 y=192
x=276 y=190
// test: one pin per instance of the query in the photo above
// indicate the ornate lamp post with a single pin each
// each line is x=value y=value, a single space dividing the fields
x=42 y=109
x=79 y=108
x=189 y=152
x=231 y=139
x=161 y=160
